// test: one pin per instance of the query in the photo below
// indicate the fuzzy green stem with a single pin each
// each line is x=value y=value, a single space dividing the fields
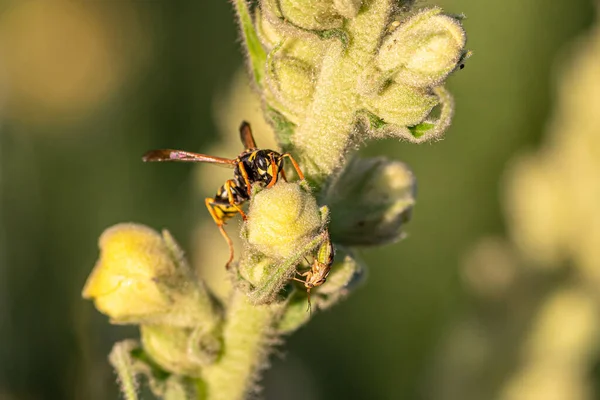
x=331 y=115
x=247 y=336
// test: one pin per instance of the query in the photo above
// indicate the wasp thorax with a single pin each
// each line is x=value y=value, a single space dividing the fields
x=282 y=220
x=260 y=166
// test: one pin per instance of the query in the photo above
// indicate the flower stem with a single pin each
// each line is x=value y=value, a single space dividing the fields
x=322 y=136
x=248 y=335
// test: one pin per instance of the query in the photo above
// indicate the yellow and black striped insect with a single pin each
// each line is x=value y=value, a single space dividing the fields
x=320 y=268
x=252 y=166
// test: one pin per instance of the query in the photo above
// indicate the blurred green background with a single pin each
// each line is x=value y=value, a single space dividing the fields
x=86 y=87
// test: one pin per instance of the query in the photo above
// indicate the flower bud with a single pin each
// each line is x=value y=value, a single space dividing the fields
x=262 y=278
x=282 y=219
x=142 y=277
x=306 y=48
x=401 y=105
x=179 y=350
x=424 y=49
x=370 y=202
x=312 y=15
x=291 y=82
x=123 y=282
x=372 y=81
x=347 y=8
x=254 y=268
x=284 y=225
x=267 y=33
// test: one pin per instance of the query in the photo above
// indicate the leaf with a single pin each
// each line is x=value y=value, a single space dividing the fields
x=421 y=129
x=256 y=54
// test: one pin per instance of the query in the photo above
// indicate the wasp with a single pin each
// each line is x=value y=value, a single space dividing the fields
x=252 y=166
x=320 y=268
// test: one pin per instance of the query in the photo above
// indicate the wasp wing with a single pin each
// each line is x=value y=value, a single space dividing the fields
x=180 y=155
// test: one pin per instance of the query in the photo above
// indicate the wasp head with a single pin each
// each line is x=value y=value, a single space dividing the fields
x=267 y=166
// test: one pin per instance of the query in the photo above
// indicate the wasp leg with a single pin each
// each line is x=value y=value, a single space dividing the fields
x=273 y=171
x=295 y=164
x=282 y=172
x=220 y=222
x=229 y=191
x=245 y=176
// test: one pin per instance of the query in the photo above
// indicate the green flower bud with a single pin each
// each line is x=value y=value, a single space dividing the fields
x=291 y=82
x=180 y=350
x=284 y=225
x=267 y=33
x=347 y=8
x=307 y=48
x=424 y=49
x=307 y=14
x=372 y=81
x=131 y=362
x=282 y=220
x=370 y=202
x=254 y=268
x=401 y=105
x=177 y=387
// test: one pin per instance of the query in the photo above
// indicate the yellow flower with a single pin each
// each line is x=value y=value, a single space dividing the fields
x=129 y=281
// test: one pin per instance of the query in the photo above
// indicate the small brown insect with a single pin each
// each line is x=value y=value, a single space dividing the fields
x=320 y=268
